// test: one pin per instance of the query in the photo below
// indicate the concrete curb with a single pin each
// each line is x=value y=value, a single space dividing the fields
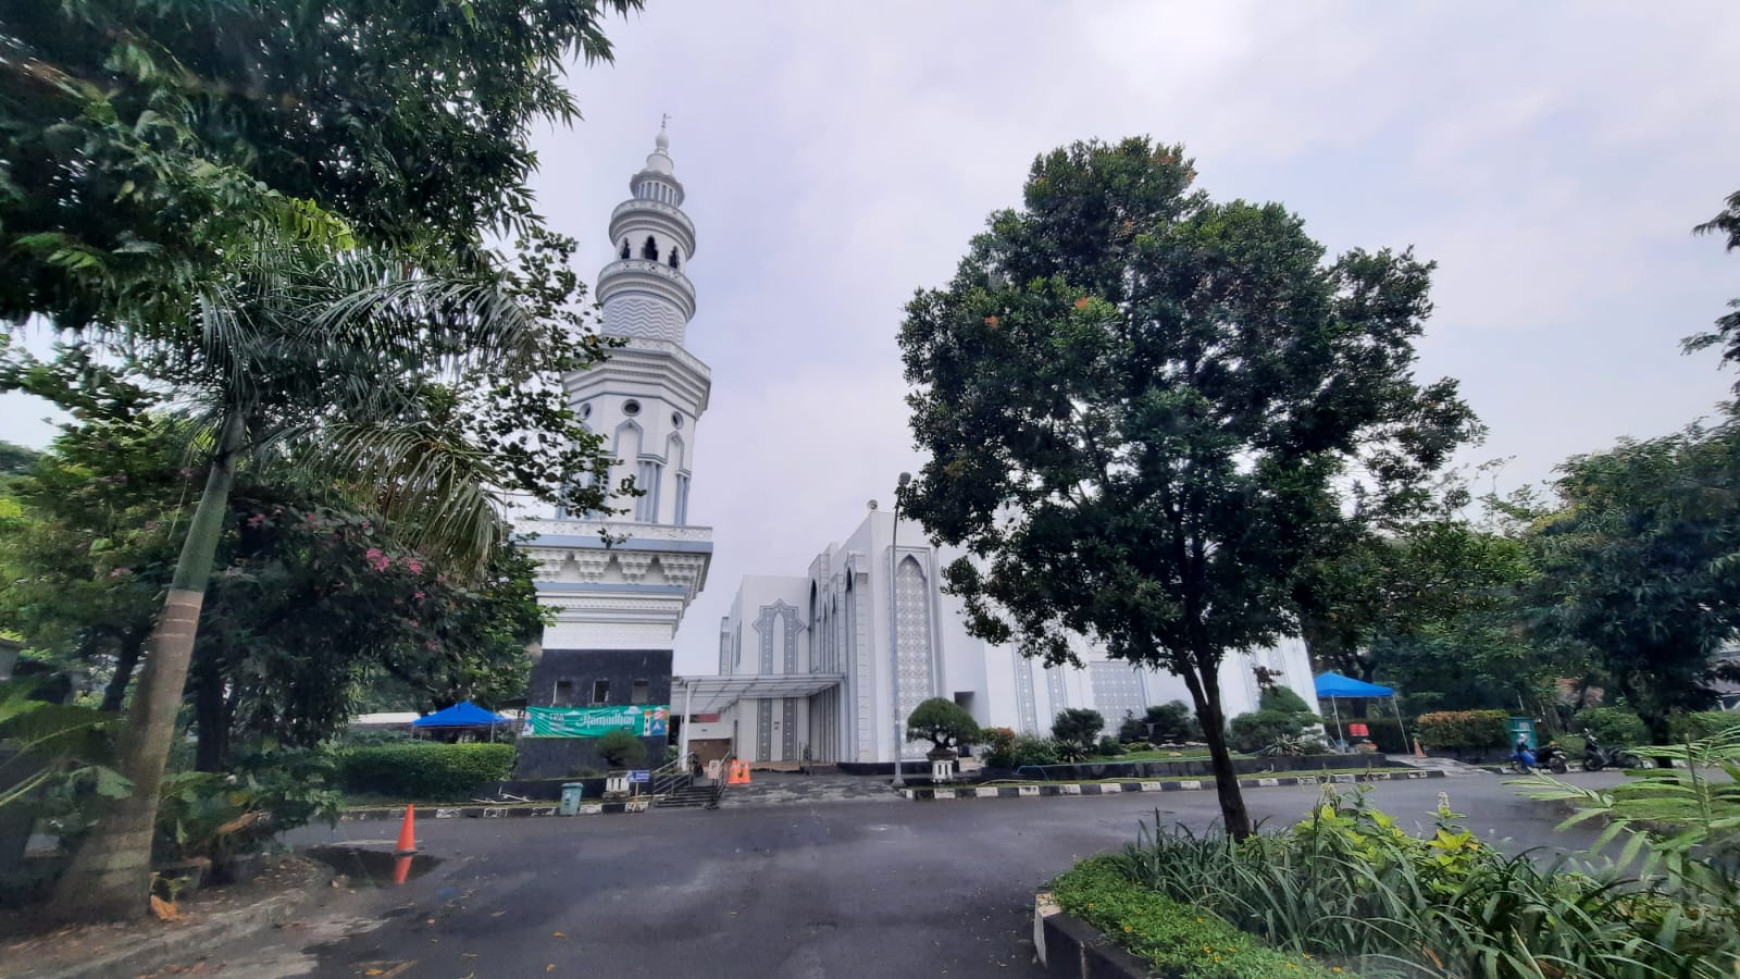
x=491 y=812
x=197 y=938
x=1038 y=789
x=1070 y=948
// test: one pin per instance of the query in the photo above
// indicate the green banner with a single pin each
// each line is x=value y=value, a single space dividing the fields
x=590 y=722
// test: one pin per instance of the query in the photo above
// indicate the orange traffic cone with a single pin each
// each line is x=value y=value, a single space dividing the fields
x=407 y=833
x=401 y=869
x=1417 y=752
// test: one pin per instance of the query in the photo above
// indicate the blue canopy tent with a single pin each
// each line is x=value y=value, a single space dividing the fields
x=1334 y=686
x=463 y=715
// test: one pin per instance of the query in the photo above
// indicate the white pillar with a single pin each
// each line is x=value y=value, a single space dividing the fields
x=688 y=704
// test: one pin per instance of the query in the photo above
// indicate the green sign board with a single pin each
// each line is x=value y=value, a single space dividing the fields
x=590 y=722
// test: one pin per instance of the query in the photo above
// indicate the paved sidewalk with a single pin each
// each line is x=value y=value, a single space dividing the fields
x=785 y=788
x=1448 y=766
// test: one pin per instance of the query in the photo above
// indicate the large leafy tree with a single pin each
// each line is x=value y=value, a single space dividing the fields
x=1356 y=602
x=320 y=368
x=187 y=180
x=1640 y=565
x=146 y=139
x=92 y=544
x=310 y=601
x=1726 y=223
x=1138 y=401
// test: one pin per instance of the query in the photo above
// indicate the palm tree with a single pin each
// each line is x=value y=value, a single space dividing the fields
x=324 y=366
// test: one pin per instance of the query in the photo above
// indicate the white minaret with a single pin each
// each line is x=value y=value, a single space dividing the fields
x=646 y=400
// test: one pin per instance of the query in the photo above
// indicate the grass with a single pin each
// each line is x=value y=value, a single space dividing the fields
x=1179 y=940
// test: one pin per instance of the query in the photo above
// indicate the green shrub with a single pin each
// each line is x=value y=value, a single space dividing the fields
x=1347 y=882
x=1462 y=730
x=422 y=770
x=369 y=738
x=999 y=747
x=1614 y=726
x=620 y=748
x=1178 y=939
x=1136 y=746
x=1256 y=731
x=1109 y=747
x=209 y=814
x=1282 y=700
x=1281 y=717
x=1028 y=749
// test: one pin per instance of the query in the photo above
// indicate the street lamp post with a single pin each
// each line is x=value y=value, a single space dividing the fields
x=894 y=632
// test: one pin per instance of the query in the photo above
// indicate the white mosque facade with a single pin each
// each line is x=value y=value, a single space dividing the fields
x=874 y=601
x=813 y=666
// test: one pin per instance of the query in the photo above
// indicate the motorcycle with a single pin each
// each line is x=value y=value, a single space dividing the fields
x=1549 y=756
x=1599 y=756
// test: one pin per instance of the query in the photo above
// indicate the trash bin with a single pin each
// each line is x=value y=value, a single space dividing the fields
x=1524 y=728
x=571 y=798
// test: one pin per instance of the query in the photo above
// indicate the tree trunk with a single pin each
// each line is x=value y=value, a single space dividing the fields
x=1205 y=690
x=126 y=660
x=110 y=875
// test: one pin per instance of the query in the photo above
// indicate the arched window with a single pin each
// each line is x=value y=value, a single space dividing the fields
x=675 y=251
x=626 y=251
x=650 y=250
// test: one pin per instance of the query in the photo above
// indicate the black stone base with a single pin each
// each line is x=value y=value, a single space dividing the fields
x=571 y=758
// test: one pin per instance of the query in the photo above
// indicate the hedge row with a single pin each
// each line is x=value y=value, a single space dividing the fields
x=1462 y=729
x=422 y=770
x=1180 y=940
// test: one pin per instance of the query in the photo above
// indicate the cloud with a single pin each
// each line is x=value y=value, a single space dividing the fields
x=1551 y=157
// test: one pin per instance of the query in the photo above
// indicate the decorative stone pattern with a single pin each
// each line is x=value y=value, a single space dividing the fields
x=1055 y=688
x=764 y=729
x=639 y=316
x=788 y=750
x=787 y=617
x=863 y=670
x=1026 y=699
x=912 y=631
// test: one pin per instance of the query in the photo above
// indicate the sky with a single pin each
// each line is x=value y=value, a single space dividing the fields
x=1550 y=157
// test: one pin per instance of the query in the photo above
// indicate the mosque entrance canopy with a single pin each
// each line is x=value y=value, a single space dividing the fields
x=713 y=694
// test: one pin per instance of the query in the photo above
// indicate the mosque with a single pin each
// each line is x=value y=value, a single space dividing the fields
x=817 y=667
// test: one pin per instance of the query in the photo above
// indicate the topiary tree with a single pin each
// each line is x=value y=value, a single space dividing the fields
x=620 y=748
x=1077 y=730
x=1172 y=723
x=942 y=722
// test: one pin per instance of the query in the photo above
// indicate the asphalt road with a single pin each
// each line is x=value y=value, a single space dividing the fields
x=863 y=889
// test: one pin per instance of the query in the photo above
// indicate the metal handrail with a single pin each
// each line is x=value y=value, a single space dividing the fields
x=720 y=782
x=672 y=776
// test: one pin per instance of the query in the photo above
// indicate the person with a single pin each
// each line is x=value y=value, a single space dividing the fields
x=1524 y=758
